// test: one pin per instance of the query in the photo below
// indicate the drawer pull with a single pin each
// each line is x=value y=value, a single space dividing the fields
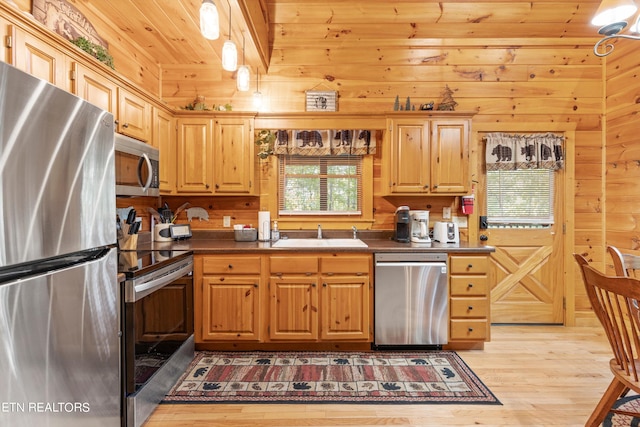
x=470 y=329
x=470 y=307
x=470 y=285
x=324 y=284
x=255 y=285
x=470 y=266
x=230 y=266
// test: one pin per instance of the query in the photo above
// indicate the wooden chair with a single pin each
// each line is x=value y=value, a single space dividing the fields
x=612 y=299
x=626 y=265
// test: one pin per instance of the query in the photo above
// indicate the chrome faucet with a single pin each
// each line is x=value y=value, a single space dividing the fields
x=355 y=232
x=319 y=231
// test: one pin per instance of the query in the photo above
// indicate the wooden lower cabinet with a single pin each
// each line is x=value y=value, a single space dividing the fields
x=228 y=298
x=469 y=300
x=319 y=298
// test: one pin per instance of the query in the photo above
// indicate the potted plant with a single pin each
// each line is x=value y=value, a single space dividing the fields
x=264 y=140
x=95 y=50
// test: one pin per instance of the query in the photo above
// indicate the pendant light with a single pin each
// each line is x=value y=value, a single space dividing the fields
x=209 y=20
x=257 y=96
x=229 y=51
x=244 y=76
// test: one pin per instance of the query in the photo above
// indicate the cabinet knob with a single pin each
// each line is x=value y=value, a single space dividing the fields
x=116 y=122
x=313 y=285
x=126 y=125
x=470 y=307
x=230 y=266
x=255 y=285
x=426 y=186
x=324 y=284
x=470 y=329
x=217 y=186
x=470 y=285
x=435 y=186
x=206 y=186
x=470 y=266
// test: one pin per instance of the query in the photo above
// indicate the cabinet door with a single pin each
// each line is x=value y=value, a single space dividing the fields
x=233 y=156
x=231 y=308
x=7 y=32
x=409 y=156
x=449 y=151
x=294 y=308
x=94 y=88
x=195 y=166
x=40 y=59
x=164 y=138
x=166 y=313
x=134 y=116
x=345 y=313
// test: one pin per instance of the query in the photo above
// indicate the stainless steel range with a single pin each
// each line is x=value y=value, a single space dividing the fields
x=157 y=327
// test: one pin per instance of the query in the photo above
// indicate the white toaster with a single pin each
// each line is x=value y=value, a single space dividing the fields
x=446 y=232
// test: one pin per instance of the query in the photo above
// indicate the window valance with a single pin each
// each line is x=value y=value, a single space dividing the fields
x=326 y=142
x=524 y=151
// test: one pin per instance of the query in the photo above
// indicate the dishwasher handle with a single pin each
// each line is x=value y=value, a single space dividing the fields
x=409 y=264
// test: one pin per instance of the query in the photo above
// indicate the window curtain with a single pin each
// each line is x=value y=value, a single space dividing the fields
x=524 y=151
x=325 y=142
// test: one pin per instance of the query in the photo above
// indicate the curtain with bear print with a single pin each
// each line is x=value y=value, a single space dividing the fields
x=524 y=151
x=325 y=142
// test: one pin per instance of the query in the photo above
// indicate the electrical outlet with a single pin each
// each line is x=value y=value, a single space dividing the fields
x=446 y=213
x=226 y=221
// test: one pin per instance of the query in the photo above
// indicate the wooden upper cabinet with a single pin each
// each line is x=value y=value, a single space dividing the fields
x=426 y=155
x=450 y=153
x=164 y=138
x=134 y=116
x=194 y=156
x=36 y=57
x=233 y=156
x=93 y=87
x=409 y=156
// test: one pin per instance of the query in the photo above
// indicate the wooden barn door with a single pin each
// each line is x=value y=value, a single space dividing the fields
x=527 y=268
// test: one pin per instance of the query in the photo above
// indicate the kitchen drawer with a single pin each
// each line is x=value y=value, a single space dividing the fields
x=469 y=329
x=459 y=264
x=293 y=265
x=231 y=265
x=469 y=285
x=469 y=307
x=358 y=265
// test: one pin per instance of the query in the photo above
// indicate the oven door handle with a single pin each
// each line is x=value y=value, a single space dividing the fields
x=141 y=290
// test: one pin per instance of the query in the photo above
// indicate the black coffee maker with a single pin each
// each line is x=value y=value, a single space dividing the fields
x=403 y=224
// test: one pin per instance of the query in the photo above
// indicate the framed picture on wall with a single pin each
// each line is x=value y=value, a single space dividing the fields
x=326 y=100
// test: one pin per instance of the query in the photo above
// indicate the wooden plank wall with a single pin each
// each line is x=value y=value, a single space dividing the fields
x=622 y=165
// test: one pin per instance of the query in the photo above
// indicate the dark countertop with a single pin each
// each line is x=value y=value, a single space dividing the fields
x=219 y=242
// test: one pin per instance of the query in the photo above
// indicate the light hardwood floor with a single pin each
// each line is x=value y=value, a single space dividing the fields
x=543 y=375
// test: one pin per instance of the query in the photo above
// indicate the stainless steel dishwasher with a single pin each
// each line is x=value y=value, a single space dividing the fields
x=411 y=300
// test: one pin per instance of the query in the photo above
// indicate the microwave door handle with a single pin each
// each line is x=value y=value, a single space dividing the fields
x=146 y=186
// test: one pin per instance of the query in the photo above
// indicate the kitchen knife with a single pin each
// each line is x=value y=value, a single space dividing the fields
x=135 y=227
x=132 y=217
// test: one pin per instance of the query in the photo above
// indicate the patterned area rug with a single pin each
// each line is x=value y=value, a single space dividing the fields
x=629 y=403
x=308 y=377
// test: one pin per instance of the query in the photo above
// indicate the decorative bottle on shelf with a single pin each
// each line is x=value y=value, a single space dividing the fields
x=275 y=232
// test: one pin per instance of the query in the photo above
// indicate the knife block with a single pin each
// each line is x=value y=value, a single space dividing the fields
x=126 y=241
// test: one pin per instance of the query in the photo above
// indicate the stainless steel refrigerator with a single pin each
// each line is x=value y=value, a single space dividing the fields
x=59 y=345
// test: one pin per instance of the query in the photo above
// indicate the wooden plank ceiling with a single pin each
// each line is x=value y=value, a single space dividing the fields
x=167 y=30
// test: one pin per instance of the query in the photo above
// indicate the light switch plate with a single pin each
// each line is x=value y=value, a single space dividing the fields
x=446 y=213
x=226 y=221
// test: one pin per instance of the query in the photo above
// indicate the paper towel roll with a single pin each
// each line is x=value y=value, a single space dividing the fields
x=264 y=226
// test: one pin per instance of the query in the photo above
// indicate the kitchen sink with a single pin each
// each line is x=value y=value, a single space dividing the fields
x=319 y=243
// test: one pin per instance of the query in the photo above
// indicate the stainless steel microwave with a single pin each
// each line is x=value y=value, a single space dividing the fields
x=137 y=167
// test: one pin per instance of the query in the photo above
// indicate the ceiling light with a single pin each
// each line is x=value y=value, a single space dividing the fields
x=243 y=77
x=611 y=11
x=257 y=95
x=611 y=15
x=229 y=51
x=209 y=20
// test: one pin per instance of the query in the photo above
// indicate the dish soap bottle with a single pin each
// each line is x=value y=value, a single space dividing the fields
x=275 y=233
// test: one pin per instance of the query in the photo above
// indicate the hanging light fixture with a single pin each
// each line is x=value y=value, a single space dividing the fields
x=257 y=95
x=610 y=16
x=229 y=51
x=244 y=76
x=209 y=20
